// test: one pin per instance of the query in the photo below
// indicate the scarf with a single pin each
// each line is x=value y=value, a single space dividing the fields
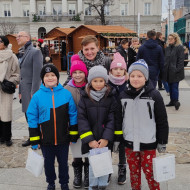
x=98 y=95
x=73 y=82
x=99 y=59
x=117 y=80
x=22 y=50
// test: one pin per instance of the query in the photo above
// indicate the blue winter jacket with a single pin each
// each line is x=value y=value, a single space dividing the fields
x=152 y=53
x=52 y=116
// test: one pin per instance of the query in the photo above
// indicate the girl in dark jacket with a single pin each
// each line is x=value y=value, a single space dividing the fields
x=174 y=68
x=117 y=80
x=96 y=110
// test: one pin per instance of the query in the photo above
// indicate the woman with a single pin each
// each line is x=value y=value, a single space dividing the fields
x=132 y=51
x=9 y=70
x=174 y=68
x=91 y=55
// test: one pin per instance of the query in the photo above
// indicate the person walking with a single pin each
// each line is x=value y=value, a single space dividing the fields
x=117 y=80
x=52 y=119
x=144 y=124
x=174 y=68
x=96 y=110
x=31 y=62
x=152 y=53
x=79 y=75
x=9 y=70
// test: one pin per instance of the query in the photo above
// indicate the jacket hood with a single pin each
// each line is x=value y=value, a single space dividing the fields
x=151 y=43
x=57 y=88
x=70 y=83
x=5 y=54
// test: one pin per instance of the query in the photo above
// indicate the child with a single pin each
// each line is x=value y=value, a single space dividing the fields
x=50 y=110
x=117 y=80
x=144 y=125
x=96 y=118
x=79 y=74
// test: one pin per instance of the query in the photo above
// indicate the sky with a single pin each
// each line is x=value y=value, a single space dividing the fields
x=165 y=7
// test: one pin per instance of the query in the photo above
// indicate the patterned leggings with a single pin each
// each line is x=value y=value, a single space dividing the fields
x=143 y=159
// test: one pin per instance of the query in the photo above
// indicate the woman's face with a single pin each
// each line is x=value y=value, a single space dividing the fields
x=90 y=51
x=171 y=40
x=135 y=42
x=2 y=46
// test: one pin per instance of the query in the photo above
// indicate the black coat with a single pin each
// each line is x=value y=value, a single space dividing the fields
x=174 y=64
x=123 y=53
x=131 y=56
x=96 y=119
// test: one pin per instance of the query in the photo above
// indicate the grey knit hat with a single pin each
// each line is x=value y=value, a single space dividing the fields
x=97 y=72
x=141 y=66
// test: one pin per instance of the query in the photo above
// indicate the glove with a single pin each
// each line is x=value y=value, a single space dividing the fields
x=161 y=148
x=35 y=147
x=116 y=147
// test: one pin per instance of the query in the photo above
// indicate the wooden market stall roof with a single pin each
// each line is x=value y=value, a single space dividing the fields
x=13 y=41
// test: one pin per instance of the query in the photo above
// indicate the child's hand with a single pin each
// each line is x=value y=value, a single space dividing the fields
x=102 y=143
x=93 y=144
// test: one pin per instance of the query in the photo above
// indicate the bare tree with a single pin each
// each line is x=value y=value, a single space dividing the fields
x=99 y=6
x=7 y=28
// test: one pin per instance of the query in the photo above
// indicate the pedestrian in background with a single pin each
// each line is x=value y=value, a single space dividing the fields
x=9 y=70
x=174 y=68
x=144 y=124
x=96 y=110
x=79 y=75
x=31 y=62
x=52 y=119
x=152 y=53
x=117 y=80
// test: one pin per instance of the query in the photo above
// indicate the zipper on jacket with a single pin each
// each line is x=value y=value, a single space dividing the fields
x=54 y=115
x=149 y=109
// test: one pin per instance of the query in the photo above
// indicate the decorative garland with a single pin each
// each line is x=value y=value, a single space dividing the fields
x=119 y=34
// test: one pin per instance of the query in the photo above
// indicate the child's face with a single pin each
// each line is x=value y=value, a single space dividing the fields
x=98 y=83
x=50 y=80
x=118 y=72
x=137 y=79
x=78 y=76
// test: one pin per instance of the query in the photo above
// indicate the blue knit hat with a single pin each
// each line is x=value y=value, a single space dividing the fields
x=141 y=66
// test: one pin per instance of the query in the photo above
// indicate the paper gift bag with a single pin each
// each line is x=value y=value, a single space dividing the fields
x=34 y=163
x=164 y=167
x=101 y=164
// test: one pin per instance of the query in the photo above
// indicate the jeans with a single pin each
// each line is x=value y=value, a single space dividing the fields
x=166 y=86
x=97 y=181
x=49 y=153
x=174 y=91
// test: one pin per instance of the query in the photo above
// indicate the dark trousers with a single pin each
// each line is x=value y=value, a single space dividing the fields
x=49 y=153
x=154 y=83
x=174 y=91
x=5 y=131
x=122 y=156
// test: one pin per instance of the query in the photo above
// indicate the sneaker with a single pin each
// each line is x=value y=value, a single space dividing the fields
x=51 y=187
x=26 y=143
x=9 y=143
x=170 y=104
x=64 y=187
x=177 y=105
x=121 y=174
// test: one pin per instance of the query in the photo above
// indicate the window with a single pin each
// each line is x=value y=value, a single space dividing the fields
x=57 y=9
x=26 y=9
x=147 y=8
x=106 y=10
x=42 y=9
x=123 y=8
x=72 y=8
x=7 y=10
x=87 y=10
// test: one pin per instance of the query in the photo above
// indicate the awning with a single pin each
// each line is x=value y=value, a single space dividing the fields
x=48 y=39
x=113 y=37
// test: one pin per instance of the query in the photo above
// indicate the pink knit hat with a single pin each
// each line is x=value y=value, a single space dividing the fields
x=118 y=61
x=77 y=64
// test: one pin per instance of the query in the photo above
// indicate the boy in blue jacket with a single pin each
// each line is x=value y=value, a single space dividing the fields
x=52 y=119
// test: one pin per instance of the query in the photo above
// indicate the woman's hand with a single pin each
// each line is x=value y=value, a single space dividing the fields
x=93 y=144
x=102 y=143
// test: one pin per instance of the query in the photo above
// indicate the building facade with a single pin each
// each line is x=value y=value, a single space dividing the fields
x=40 y=16
x=182 y=3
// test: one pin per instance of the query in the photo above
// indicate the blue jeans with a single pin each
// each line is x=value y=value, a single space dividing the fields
x=166 y=86
x=97 y=181
x=49 y=153
x=174 y=91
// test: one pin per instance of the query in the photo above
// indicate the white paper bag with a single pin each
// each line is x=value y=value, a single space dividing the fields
x=164 y=167
x=34 y=163
x=101 y=164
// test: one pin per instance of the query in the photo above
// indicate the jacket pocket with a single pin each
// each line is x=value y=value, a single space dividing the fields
x=149 y=110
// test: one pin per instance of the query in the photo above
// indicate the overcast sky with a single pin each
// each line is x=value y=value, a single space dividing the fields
x=165 y=7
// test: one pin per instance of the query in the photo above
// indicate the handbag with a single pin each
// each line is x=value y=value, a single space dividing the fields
x=8 y=87
x=164 y=167
x=34 y=163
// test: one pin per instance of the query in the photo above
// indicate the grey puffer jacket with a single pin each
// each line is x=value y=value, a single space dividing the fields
x=174 y=64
